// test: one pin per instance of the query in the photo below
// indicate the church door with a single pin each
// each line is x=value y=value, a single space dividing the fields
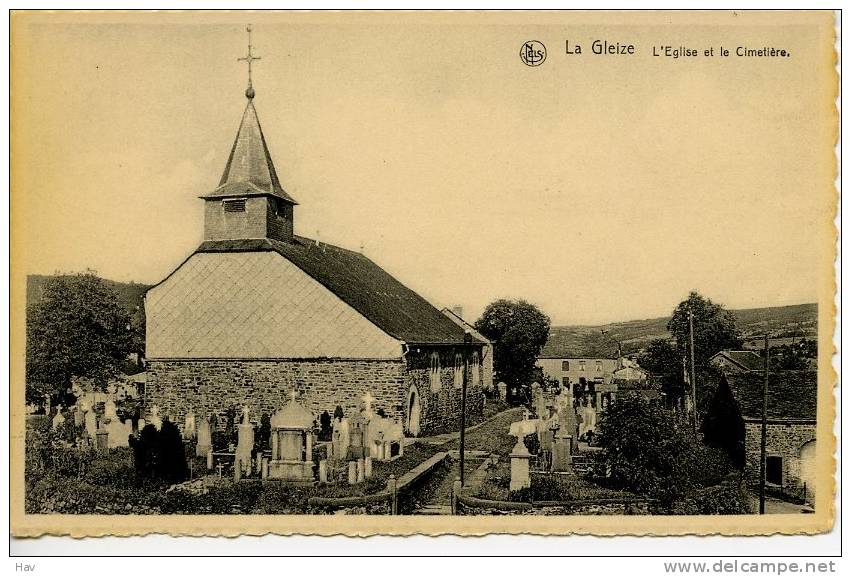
x=414 y=409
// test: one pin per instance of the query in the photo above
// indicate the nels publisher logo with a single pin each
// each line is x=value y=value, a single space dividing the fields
x=533 y=53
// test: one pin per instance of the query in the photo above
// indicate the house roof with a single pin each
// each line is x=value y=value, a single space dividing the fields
x=249 y=170
x=578 y=342
x=360 y=283
x=792 y=394
x=465 y=325
x=745 y=359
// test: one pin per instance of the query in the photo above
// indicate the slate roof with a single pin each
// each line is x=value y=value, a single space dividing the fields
x=362 y=284
x=249 y=170
x=465 y=326
x=792 y=394
x=578 y=342
x=746 y=359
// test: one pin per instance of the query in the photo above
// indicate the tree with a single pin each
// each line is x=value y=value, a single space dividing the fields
x=793 y=356
x=77 y=328
x=646 y=452
x=518 y=330
x=714 y=328
x=662 y=359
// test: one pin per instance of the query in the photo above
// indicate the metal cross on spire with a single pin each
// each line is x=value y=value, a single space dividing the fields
x=249 y=92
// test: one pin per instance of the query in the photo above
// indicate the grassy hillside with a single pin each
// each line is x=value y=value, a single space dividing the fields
x=781 y=322
x=130 y=294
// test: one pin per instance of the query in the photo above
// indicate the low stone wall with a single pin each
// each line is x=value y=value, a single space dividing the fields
x=374 y=504
x=469 y=505
x=384 y=502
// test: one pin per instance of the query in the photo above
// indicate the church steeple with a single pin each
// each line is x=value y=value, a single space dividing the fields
x=249 y=201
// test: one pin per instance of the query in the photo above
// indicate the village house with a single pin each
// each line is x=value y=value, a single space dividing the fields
x=256 y=312
x=737 y=361
x=594 y=377
x=734 y=421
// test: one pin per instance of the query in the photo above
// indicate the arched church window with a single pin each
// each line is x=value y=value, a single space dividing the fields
x=459 y=369
x=474 y=369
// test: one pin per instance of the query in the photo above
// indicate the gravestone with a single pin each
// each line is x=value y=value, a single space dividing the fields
x=353 y=472
x=79 y=416
x=58 y=420
x=565 y=435
x=189 y=430
x=539 y=402
x=367 y=467
x=520 y=477
x=102 y=440
x=155 y=417
x=589 y=419
x=384 y=438
x=502 y=387
x=119 y=431
x=340 y=439
x=91 y=423
x=360 y=470
x=323 y=471
x=245 y=442
x=204 y=443
x=357 y=433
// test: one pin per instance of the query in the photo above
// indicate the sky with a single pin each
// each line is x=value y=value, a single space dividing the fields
x=600 y=188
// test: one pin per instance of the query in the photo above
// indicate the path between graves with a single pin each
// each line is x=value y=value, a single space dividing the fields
x=433 y=497
x=440 y=439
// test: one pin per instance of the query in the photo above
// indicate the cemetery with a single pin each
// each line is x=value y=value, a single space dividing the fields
x=101 y=458
x=88 y=460
x=542 y=461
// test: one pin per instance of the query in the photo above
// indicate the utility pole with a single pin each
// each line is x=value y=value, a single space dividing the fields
x=692 y=378
x=762 y=430
x=468 y=339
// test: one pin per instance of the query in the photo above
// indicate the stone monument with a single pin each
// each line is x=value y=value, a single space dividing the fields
x=91 y=423
x=189 y=430
x=520 y=459
x=565 y=435
x=118 y=431
x=292 y=443
x=204 y=443
x=155 y=417
x=245 y=442
x=58 y=420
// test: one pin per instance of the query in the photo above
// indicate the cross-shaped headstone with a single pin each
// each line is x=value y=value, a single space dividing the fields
x=219 y=467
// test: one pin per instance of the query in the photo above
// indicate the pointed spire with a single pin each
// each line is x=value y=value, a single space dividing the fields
x=250 y=162
x=249 y=169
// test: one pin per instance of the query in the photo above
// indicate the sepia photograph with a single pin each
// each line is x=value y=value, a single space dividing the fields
x=422 y=272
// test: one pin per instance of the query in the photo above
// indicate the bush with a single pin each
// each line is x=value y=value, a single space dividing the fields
x=160 y=454
x=728 y=498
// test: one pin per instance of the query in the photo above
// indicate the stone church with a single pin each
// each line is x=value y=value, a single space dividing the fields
x=257 y=311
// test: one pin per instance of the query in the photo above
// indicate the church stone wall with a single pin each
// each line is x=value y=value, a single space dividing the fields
x=208 y=387
x=442 y=409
